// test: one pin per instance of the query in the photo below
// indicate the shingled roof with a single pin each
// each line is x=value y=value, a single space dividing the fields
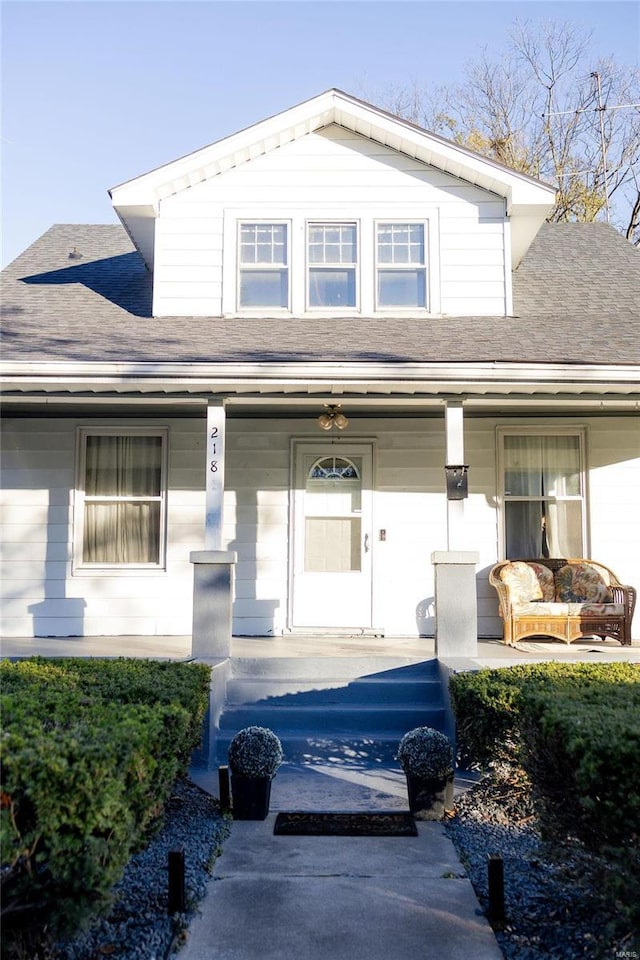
x=576 y=300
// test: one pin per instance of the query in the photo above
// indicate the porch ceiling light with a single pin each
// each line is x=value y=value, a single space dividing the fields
x=332 y=418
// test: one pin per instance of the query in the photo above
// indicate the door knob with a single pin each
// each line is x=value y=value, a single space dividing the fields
x=366 y=543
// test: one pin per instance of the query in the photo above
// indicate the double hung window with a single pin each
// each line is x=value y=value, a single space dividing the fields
x=543 y=494
x=264 y=265
x=332 y=259
x=122 y=493
x=401 y=265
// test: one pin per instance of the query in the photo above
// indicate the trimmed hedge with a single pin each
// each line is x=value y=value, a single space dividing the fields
x=575 y=729
x=90 y=751
x=488 y=703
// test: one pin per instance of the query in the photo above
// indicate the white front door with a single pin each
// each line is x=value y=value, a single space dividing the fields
x=333 y=497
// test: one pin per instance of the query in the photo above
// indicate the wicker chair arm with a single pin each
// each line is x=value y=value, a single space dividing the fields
x=503 y=592
x=623 y=593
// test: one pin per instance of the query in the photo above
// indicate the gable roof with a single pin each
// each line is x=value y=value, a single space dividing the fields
x=528 y=201
x=576 y=298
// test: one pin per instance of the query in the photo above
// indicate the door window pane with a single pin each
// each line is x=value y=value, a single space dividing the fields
x=332 y=544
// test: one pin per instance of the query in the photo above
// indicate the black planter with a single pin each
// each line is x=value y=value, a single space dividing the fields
x=250 y=797
x=429 y=798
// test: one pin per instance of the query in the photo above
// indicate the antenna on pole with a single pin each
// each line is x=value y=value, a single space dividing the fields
x=601 y=109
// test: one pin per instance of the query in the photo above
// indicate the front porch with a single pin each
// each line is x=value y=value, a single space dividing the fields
x=491 y=652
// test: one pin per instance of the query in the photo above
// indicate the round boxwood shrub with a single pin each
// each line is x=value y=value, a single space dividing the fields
x=427 y=753
x=255 y=752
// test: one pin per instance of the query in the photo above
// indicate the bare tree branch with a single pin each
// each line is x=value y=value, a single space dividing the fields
x=536 y=110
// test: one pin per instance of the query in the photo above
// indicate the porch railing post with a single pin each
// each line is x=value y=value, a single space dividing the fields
x=456 y=603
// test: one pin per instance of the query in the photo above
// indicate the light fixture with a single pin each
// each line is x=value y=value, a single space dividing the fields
x=332 y=418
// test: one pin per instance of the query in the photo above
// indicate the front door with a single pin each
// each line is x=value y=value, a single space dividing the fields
x=332 y=535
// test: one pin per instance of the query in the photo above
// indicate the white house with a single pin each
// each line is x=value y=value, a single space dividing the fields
x=276 y=355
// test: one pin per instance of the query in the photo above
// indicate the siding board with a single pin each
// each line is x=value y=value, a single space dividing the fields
x=40 y=592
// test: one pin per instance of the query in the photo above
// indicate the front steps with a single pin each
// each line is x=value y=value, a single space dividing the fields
x=350 y=710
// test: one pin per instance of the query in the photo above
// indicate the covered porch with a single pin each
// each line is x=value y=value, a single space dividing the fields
x=491 y=653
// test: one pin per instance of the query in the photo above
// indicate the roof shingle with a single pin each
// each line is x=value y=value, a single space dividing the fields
x=576 y=300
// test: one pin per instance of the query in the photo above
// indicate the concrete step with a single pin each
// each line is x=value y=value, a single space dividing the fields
x=363 y=749
x=329 y=668
x=321 y=719
x=352 y=709
x=332 y=692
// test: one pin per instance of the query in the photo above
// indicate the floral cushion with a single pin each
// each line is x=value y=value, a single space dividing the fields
x=580 y=582
x=546 y=581
x=527 y=581
x=541 y=609
x=598 y=609
x=522 y=582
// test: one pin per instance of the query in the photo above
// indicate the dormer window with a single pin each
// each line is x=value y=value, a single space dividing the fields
x=401 y=265
x=303 y=264
x=264 y=265
x=333 y=259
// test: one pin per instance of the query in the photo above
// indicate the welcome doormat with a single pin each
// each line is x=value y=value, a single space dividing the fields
x=330 y=824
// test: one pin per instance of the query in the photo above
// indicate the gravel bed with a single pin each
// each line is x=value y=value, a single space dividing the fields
x=553 y=908
x=137 y=926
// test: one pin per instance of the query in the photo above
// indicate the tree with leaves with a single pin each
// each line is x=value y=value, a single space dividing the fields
x=549 y=109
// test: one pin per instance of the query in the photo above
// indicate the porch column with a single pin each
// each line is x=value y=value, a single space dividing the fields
x=454 y=439
x=213 y=566
x=455 y=567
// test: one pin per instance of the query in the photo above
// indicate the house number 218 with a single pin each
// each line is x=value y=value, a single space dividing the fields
x=213 y=464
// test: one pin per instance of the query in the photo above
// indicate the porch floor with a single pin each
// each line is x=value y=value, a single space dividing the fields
x=491 y=653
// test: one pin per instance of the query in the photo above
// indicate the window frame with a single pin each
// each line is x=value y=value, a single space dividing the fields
x=248 y=268
x=366 y=278
x=79 y=564
x=327 y=265
x=568 y=430
x=380 y=267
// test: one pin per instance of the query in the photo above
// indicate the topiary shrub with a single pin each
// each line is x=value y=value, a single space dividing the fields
x=426 y=753
x=255 y=752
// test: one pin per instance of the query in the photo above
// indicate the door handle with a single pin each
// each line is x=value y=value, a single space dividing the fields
x=366 y=543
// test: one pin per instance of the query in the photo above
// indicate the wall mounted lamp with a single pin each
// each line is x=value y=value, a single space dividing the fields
x=457 y=481
x=332 y=418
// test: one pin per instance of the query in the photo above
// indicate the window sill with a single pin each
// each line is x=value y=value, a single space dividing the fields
x=119 y=570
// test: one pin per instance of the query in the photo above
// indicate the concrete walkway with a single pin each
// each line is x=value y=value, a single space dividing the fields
x=338 y=898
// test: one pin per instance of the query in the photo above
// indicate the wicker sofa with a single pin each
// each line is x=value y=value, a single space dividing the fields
x=561 y=598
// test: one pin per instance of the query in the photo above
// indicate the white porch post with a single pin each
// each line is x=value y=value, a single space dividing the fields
x=455 y=581
x=216 y=424
x=454 y=439
x=213 y=566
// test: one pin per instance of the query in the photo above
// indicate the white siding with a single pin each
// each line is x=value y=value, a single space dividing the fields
x=333 y=173
x=42 y=595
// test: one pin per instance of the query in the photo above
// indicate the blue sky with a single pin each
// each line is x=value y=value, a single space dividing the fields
x=95 y=92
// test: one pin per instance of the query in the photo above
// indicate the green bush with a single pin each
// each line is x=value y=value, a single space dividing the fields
x=488 y=703
x=582 y=753
x=575 y=730
x=90 y=751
